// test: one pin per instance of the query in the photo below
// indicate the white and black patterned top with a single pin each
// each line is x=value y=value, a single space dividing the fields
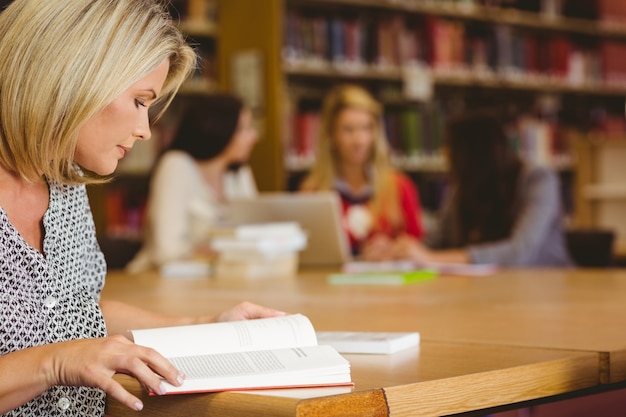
x=53 y=297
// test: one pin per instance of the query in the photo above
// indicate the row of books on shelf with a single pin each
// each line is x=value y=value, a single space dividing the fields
x=392 y=41
x=415 y=134
x=605 y=10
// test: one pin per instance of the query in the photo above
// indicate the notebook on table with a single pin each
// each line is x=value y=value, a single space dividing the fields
x=319 y=215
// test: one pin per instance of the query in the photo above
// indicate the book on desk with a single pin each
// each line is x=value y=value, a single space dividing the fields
x=276 y=352
x=403 y=266
x=384 y=343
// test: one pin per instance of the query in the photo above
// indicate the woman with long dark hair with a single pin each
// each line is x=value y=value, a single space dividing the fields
x=203 y=168
x=498 y=209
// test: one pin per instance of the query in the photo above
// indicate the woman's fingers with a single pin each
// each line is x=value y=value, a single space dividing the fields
x=150 y=368
x=247 y=310
x=115 y=390
x=94 y=362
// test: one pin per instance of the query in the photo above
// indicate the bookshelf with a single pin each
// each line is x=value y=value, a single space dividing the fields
x=469 y=10
x=600 y=186
x=581 y=95
x=287 y=84
x=296 y=79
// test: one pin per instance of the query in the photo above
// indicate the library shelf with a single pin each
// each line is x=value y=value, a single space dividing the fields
x=486 y=14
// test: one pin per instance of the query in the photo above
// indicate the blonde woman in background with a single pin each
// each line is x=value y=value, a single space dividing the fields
x=379 y=204
x=76 y=81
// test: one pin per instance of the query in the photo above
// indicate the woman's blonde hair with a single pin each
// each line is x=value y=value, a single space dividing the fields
x=63 y=61
x=384 y=202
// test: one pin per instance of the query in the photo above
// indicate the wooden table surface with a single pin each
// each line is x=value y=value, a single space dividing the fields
x=486 y=341
x=436 y=379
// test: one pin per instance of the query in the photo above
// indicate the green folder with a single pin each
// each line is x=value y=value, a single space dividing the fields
x=382 y=278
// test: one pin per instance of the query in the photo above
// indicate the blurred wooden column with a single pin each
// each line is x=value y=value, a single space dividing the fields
x=252 y=30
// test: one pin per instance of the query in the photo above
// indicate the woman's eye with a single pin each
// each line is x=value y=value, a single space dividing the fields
x=140 y=103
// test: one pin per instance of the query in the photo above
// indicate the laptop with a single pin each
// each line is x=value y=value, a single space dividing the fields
x=319 y=215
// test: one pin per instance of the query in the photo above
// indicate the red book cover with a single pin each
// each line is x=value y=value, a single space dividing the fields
x=431 y=25
x=385 y=55
x=613 y=11
x=531 y=54
x=543 y=55
x=307 y=125
x=613 y=58
x=561 y=48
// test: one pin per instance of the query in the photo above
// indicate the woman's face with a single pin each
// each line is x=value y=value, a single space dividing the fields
x=353 y=136
x=243 y=140
x=106 y=137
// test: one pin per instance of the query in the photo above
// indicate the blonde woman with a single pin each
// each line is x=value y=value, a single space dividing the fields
x=76 y=81
x=379 y=204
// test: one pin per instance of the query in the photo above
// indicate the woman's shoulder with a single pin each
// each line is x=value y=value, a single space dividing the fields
x=402 y=180
x=534 y=173
x=175 y=161
x=176 y=157
x=538 y=182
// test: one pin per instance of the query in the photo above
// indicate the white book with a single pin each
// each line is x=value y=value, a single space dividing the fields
x=269 y=245
x=276 y=352
x=273 y=229
x=407 y=265
x=369 y=342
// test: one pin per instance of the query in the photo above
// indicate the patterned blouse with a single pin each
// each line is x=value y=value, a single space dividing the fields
x=53 y=297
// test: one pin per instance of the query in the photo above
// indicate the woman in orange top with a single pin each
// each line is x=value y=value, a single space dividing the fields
x=379 y=204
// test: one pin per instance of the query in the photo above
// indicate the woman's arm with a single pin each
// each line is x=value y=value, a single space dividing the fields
x=89 y=362
x=93 y=362
x=407 y=247
x=168 y=209
x=540 y=206
x=121 y=317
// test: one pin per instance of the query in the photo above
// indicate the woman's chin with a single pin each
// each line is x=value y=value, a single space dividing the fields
x=104 y=170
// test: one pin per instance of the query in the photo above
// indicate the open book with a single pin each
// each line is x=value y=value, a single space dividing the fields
x=276 y=352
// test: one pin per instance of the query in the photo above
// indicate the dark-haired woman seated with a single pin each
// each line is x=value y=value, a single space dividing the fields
x=498 y=209
x=204 y=167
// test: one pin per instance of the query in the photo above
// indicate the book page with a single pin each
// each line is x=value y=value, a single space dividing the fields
x=313 y=365
x=293 y=330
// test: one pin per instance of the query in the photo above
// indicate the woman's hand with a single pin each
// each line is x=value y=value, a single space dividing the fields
x=246 y=311
x=407 y=247
x=377 y=248
x=93 y=362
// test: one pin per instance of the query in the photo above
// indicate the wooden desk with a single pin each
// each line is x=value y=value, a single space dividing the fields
x=487 y=341
x=438 y=379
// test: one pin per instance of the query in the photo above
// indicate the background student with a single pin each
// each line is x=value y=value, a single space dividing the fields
x=76 y=83
x=498 y=209
x=202 y=169
x=380 y=205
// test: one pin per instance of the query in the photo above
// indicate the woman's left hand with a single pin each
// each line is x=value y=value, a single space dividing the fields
x=407 y=247
x=246 y=311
